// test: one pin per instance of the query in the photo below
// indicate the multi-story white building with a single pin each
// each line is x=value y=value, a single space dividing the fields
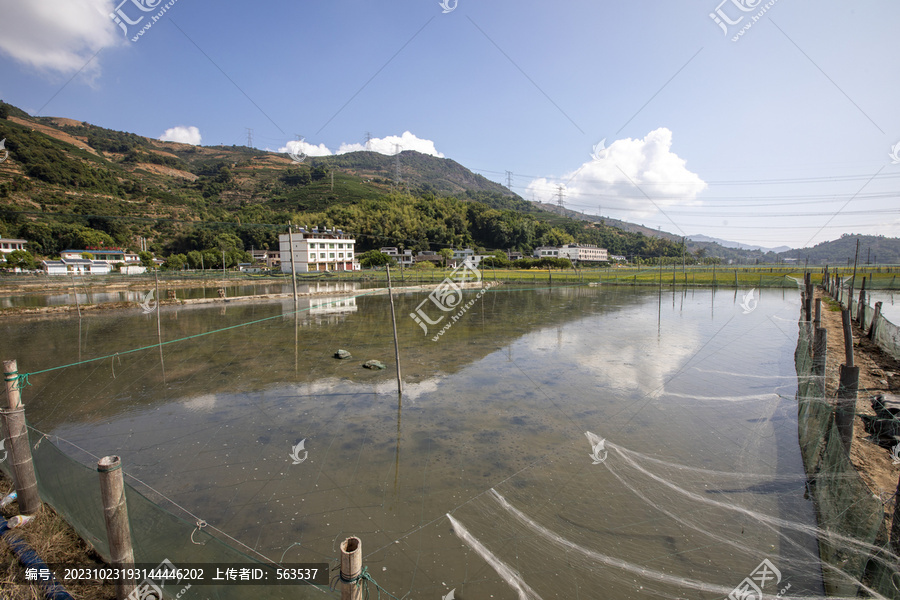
x=583 y=253
x=326 y=250
x=9 y=245
x=404 y=258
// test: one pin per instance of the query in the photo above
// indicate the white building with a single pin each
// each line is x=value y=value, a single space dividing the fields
x=546 y=252
x=327 y=250
x=77 y=266
x=9 y=245
x=404 y=258
x=583 y=253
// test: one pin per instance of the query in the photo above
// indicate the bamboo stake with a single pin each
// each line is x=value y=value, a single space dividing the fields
x=20 y=461
x=351 y=569
x=394 y=324
x=115 y=513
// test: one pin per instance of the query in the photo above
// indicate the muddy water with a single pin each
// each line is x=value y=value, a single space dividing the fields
x=698 y=481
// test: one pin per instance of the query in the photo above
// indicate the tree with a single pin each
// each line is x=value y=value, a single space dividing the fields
x=375 y=258
x=146 y=258
x=4 y=111
x=447 y=253
x=87 y=256
x=175 y=262
x=20 y=259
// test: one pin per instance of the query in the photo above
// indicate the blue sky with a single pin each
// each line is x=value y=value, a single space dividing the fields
x=782 y=137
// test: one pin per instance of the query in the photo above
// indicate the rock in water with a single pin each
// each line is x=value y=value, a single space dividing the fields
x=374 y=364
x=342 y=354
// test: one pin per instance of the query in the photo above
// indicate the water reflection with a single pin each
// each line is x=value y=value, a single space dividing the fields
x=692 y=395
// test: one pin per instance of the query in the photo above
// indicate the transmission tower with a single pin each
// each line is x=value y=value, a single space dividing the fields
x=397 y=164
x=249 y=137
x=509 y=180
x=560 y=197
x=368 y=139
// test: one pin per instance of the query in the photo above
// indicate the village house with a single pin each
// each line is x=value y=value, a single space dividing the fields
x=326 y=250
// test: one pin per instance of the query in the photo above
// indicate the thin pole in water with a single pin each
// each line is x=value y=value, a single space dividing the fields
x=394 y=324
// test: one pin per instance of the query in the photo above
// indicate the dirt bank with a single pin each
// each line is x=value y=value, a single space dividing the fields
x=873 y=462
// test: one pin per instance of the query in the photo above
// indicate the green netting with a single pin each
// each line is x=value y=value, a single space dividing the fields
x=887 y=335
x=853 y=539
x=73 y=490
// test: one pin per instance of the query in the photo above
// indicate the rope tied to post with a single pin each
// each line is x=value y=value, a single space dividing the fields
x=362 y=579
x=20 y=379
x=200 y=525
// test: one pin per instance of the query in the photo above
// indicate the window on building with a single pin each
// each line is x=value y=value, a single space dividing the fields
x=331 y=245
x=331 y=255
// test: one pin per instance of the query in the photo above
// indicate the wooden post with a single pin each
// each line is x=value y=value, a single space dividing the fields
x=860 y=304
x=351 y=568
x=820 y=351
x=895 y=525
x=19 y=450
x=848 y=337
x=115 y=513
x=875 y=318
x=394 y=324
x=845 y=406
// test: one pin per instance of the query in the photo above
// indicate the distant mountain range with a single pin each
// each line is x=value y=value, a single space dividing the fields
x=729 y=244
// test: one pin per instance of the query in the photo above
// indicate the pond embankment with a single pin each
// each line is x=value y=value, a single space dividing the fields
x=854 y=492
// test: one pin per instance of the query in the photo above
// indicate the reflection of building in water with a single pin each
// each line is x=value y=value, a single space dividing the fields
x=326 y=306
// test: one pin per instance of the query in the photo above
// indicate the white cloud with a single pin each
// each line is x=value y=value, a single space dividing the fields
x=304 y=147
x=624 y=172
x=57 y=35
x=385 y=145
x=182 y=134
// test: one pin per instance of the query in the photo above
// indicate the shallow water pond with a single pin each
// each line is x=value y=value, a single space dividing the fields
x=480 y=478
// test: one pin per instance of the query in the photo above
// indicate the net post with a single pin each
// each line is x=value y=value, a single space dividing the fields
x=818 y=318
x=845 y=405
x=875 y=318
x=351 y=569
x=394 y=325
x=848 y=337
x=16 y=429
x=115 y=513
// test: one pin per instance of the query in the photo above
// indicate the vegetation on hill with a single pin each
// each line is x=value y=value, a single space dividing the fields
x=113 y=188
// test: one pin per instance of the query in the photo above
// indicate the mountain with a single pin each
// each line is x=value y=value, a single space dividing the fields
x=71 y=184
x=737 y=245
x=842 y=251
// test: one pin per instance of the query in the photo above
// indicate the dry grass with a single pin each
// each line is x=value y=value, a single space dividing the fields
x=55 y=542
